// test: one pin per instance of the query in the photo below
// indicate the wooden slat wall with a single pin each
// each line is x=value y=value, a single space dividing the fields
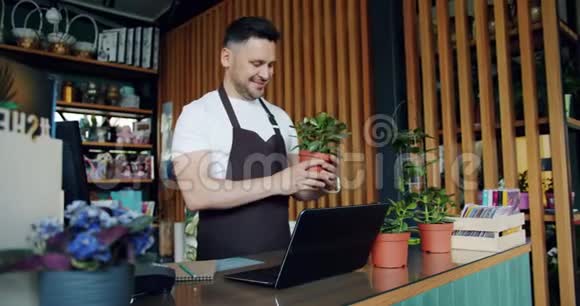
x=506 y=97
x=486 y=96
x=446 y=70
x=323 y=65
x=412 y=64
x=466 y=105
x=560 y=161
x=429 y=91
x=538 y=231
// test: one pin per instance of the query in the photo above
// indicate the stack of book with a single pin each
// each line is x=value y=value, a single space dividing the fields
x=488 y=228
x=501 y=197
x=131 y=46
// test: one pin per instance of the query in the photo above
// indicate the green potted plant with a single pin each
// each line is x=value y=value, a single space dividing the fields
x=88 y=261
x=435 y=228
x=390 y=249
x=523 y=185
x=410 y=148
x=319 y=137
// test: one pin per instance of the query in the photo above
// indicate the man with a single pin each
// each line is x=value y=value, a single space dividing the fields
x=234 y=154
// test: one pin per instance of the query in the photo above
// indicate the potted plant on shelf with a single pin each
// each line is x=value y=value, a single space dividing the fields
x=88 y=261
x=524 y=196
x=391 y=247
x=549 y=191
x=410 y=148
x=435 y=228
x=319 y=137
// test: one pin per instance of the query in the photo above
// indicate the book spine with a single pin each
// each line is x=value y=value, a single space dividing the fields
x=137 y=54
x=130 y=45
x=156 y=49
x=147 y=43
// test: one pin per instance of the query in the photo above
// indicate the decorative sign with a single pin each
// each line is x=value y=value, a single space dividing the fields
x=26 y=99
x=22 y=123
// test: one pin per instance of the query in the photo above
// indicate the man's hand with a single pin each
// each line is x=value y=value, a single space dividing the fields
x=329 y=173
x=297 y=177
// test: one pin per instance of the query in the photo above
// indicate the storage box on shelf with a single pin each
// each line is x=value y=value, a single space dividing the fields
x=506 y=232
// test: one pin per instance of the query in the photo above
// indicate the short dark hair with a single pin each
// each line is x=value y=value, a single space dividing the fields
x=242 y=29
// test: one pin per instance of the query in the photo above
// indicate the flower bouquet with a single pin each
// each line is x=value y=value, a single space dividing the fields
x=86 y=261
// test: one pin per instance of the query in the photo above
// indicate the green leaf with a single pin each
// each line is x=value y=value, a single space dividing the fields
x=140 y=223
x=85 y=265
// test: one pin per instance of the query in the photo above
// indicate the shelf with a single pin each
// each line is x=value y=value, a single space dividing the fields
x=117 y=145
x=564 y=28
x=571 y=122
x=122 y=181
x=103 y=110
x=61 y=61
x=551 y=218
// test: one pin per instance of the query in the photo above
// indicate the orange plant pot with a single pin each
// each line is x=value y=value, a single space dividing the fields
x=391 y=250
x=436 y=238
x=307 y=155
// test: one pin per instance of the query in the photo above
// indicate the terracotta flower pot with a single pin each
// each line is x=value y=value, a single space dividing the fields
x=387 y=279
x=435 y=263
x=436 y=238
x=307 y=155
x=391 y=250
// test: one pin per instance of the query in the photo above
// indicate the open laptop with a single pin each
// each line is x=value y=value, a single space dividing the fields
x=325 y=242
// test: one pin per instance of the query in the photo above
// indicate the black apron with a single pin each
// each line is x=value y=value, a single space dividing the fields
x=255 y=227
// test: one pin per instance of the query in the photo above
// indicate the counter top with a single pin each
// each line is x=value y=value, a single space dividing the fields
x=367 y=286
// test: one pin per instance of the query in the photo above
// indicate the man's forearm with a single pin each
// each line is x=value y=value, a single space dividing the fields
x=224 y=194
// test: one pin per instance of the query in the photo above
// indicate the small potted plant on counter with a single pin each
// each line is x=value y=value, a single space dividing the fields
x=319 y=137
x=391 y=247
x=435 y=228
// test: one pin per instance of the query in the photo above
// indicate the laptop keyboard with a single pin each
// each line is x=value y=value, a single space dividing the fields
x=267 y=275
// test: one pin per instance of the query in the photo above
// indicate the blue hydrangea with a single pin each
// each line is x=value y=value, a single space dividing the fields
x=47 y=228
x=106 y=219
x=87 y=218
x=128 y=216
x=142 y=242
x=85 y=246
x=72 y=208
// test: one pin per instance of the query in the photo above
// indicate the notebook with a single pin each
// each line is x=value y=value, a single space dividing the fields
x=193 y=270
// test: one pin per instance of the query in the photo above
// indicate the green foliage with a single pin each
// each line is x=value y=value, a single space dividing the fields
x=432 y=205
x=322 y=134
x=410 y=145
x=396 y=216
x=523 y=181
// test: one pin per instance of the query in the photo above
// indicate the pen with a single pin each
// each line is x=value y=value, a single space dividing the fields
x=184 y=268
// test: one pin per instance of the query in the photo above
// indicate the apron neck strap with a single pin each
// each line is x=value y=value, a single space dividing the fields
x=228 y=106
x=232 y=115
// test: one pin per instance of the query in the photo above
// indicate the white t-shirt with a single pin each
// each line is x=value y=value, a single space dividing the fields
x=204 y=125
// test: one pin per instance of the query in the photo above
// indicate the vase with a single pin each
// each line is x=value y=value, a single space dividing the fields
x=112 y=287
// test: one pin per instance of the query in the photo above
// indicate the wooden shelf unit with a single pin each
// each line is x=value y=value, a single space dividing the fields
x=121 y=181
x=551 y=218
x=49 y=56
x=117 y=145
x=103 y=110
x=564 y=28
x=571 y=122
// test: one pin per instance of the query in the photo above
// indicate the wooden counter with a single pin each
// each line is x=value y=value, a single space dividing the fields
x=458 y=278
